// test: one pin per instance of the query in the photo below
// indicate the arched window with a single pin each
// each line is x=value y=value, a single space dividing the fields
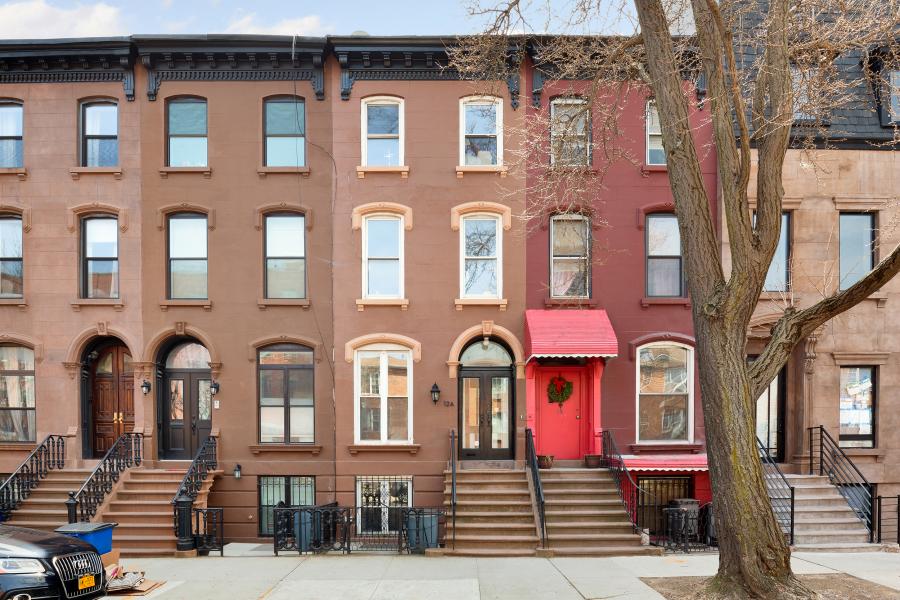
x=286 y=394
x=17 y=409
x=383 y=378
x=99 y=134
x=665 y=393
x=485 y=353
x=284 y=124
x=189 y=355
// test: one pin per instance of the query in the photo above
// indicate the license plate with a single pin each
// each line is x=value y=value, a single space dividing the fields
x=85 y=581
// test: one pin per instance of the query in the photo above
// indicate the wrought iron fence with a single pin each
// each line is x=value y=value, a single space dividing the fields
x=423 y=528
x=781 y=493
x=186 y=518
x=888 y=519
x=48 y=455
x=453 y=481
x=312 y=529
x=531 y=460
x=827 y=458
x=124 y=454
x=209 y=535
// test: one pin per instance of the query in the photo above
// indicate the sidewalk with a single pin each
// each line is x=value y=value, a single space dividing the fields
x=244 y=575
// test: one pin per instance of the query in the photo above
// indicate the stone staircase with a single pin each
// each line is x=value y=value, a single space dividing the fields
x=823 y=519
x=45 y=507
x=585 y=515
x=494 y=513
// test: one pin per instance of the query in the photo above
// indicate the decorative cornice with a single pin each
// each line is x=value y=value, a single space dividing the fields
x=58 y=64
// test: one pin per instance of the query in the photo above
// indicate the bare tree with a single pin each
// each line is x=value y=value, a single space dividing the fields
x=767 y=66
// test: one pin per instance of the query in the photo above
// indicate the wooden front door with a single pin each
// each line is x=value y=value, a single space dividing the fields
x=563 y=429
x=112 y=397
x=187 y=418
x=486 y=414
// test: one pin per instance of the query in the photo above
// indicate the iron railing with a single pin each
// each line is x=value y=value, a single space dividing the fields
x=123 y=454
x=49 y=454
x=887 y=519
x=781 y=493
x=209 y=531
x=422 y=528
x=531 y=460
x=205 y=461
x=186 y=518
x=312 y=529
x=643 y=508
x=453 y=482
x=827 y=458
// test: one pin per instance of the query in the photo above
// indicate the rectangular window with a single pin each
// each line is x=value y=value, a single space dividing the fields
x=665 y=393
x=380 y=502
x=286 y=395
x=11 y=267
x=383 y=257
x=656 y=154
x=285 y=256
x=570 y=132
x=382 y=132
x=17 y=412
x=778 y=278
x=665 y=277
x=187 y=257
x=800 y=82
x=857 y=407
x=11 y=136
x=570 y=247
x=384 y=388
x=99 y=134
x=100 y=253
x=285 y=127
x=894 y=95
x=282 y=491
x=857 y=247
x=481 y=141
x=187 y=133
x=481 y=266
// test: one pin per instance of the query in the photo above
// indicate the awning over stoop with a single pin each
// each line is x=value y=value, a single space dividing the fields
x=667 y=462
x=569 y=333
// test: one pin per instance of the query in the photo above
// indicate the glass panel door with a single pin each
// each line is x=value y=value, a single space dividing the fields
x=486 y=409
x=500 y=413
x=769 y=418
x=471 y=395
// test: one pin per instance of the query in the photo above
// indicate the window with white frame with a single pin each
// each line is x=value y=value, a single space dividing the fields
x=382 y=132
x=383 y=383
x=656 y=154
x=570 y=132
x=480 y=140
x=665 y=275
x=570 y=249
x=480 y=254
x=665 y=391
x=383 y=256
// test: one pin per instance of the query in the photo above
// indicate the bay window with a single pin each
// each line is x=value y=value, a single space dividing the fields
x=480 y=140
x=480 y=255
x=570 y=246
x=383 y=383
x=665 y=393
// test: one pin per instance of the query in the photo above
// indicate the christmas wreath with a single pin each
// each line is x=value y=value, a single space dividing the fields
x=559 y=390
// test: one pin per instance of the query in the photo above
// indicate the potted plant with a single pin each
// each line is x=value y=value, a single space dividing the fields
x=593 y=461
x=545 y=461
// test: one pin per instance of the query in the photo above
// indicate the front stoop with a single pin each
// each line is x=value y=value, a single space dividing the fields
x=45 y=508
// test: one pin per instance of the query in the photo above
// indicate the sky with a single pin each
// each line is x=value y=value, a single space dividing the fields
x=21 y=19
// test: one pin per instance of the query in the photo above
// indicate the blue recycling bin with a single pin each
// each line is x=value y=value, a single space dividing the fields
x=303 y=530
x=99 y=535
x=421 y=531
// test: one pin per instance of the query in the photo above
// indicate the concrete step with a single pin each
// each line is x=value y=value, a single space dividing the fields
x=486 y=473
x=498 y=484
x=489 y=529
x=492 y=517
x=489 y=552
x=152 y=529
x=815 y=513
x=582 y=504
x=608 y=550
x=830 y=524
x=42 y=525
x=137 y=517
x=592 y=516
x=837 y=547
x=141 y=552
x=554 y=529
x=831 y=537
x=39 y=514
x=819 y=501
x=491 y=505
x=498 y=542
x=141 y=495
x=161 y=542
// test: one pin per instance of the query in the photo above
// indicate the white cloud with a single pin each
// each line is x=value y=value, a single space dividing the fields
x=308 y=25
x=39 y=19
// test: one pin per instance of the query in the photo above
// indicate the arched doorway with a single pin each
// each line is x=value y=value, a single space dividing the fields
x=486 y=380
x=184 y=399
x=107 y=395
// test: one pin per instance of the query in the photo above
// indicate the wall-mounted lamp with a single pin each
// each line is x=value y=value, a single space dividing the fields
x=237 y=471
x=145 y=387
x=435 y=393
x=214 y=388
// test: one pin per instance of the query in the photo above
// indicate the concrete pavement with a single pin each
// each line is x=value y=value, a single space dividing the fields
x=250 y=572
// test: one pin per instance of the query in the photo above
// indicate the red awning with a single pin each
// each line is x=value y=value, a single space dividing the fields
x=667 y=462
x=569 y=333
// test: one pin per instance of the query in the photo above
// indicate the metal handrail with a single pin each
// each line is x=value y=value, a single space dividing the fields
x=781 y=493
x=887 y=517
x=531 y=459
x=642 y=506
x=49 y=454
x=123 y=454
x=843 y=474
x=205 y=461
x=453 y=481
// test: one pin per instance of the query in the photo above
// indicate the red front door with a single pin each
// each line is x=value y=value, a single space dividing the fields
x=562 y=429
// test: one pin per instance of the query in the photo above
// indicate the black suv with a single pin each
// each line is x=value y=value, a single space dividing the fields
x=37 y=565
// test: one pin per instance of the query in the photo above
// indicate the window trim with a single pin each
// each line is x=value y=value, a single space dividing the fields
x=84 y=291
x=169 y=259
x=587 y=225
x=651 y=104
x=23 y=373
x=498 y=224
x=384 y=216
x=21 y=138
x=647 y=257
x=873 y=437
x=267 y=258
x=364 y=128
x=498 y=127
x=168 y=141
x=287 y=487
x=265 y=132
x=788 y=228
x=84 y=137
x=286 y=346
x=589 y=154
x=637 y=393
x=383 y=349
x=873 y=218
x=21 y=258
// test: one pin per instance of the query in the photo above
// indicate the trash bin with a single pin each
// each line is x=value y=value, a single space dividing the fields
x=421 y=531
x=99 y=535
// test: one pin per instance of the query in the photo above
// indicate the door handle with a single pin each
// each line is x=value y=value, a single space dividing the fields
x=193 y=424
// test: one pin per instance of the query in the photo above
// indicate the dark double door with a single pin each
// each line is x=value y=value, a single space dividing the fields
x=486 y=414
x=186 y=412
x=112 y=397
